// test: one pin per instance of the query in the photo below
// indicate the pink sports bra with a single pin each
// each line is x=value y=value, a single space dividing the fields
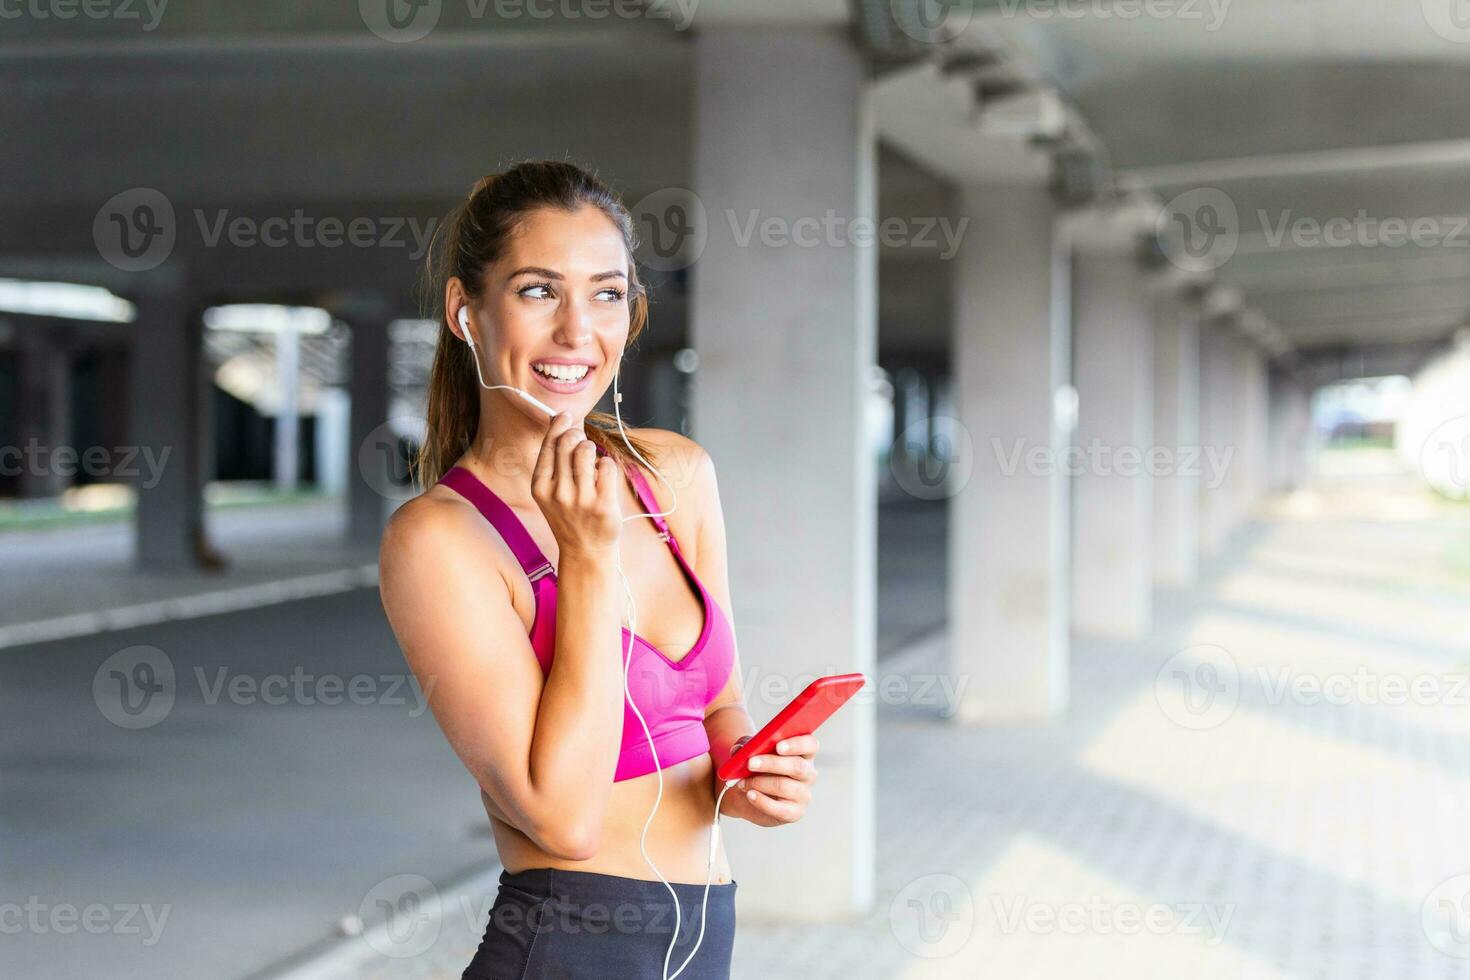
x=671 y=694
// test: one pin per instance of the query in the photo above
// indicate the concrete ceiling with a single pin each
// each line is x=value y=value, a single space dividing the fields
x=1294 y=110
x=1327 y=127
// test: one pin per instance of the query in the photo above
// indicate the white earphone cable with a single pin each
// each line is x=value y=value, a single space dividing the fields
x=627 y=692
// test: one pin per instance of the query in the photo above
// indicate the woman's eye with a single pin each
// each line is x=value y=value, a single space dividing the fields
x=527 y=290
x=612 y=294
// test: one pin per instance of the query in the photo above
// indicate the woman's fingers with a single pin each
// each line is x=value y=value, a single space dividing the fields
x=566 y=479
x=779 y=787
x=783 y=810
x=543 y=474
x=796 y=766
x=797 y=745
x=584 y=472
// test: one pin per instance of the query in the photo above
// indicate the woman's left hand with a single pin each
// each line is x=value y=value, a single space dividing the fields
x=779 y=786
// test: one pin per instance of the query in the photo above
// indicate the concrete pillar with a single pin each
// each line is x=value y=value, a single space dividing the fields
x=1181 y=461
x=287 y=468
x=367 y=387
x=169 y=417
x=1288 y=432
x=1008 y=541
x=1249 y=403
x=1217 y=433
x=44 y=411
x=1113 y=363
x=785 y=325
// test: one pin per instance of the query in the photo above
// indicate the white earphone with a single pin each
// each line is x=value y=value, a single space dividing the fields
x=714 y=837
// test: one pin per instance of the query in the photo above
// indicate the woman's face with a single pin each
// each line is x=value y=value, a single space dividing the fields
x=555 y=311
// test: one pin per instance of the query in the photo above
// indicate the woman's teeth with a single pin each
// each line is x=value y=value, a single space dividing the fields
x=562 y=372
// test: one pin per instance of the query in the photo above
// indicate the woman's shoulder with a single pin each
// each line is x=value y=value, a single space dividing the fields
x=682 y=460
x=434 y=523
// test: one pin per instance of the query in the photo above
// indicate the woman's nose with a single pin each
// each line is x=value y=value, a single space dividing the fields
x=575 y=327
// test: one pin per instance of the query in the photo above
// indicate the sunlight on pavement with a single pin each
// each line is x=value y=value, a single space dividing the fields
x=1039 y=912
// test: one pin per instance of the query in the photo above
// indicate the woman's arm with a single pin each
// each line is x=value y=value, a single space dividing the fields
x=544 y=754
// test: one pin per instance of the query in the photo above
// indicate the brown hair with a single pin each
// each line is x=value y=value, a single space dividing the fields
x=475 y=234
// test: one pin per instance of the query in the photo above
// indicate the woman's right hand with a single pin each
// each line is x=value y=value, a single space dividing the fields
x=577 y=490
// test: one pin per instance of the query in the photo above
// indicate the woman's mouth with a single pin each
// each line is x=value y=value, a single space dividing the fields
x=563 y=379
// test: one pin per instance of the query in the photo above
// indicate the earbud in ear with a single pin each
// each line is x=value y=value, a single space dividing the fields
x=464 y=320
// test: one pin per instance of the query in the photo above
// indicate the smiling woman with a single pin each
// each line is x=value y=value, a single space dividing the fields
x=504 y=583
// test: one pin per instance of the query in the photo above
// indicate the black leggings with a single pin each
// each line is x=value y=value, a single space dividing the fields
x=551 y=923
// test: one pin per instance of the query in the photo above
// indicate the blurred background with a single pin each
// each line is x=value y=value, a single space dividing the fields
x=1092 y=374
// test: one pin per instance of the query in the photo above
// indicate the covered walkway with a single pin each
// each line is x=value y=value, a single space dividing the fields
x=1290 y=743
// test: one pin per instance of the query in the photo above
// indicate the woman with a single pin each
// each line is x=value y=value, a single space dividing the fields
x=502 y=584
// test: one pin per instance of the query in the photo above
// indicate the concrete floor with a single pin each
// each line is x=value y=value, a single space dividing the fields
x=1159 y=832
x=253 y=827
x=1203 y=811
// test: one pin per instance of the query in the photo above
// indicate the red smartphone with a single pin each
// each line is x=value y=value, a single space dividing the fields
x=801 y=717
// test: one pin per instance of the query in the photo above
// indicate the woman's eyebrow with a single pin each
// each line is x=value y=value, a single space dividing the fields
x=553 y=274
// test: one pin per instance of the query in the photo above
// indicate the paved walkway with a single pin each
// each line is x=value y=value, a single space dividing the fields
x=1275 y=785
